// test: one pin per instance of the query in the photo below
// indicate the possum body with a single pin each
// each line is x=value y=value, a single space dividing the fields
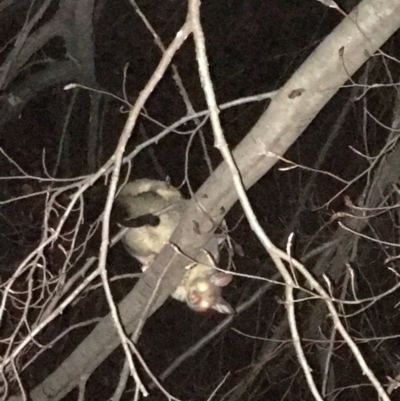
x=153 y=210
x=162 y=205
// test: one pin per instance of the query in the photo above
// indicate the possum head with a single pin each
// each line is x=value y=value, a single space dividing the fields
x=205 y=293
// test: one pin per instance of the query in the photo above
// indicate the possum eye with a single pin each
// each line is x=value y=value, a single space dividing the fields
x=204 y=304
x=203 y=286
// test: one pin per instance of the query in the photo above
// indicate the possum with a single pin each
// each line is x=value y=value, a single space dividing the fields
x=153 y=210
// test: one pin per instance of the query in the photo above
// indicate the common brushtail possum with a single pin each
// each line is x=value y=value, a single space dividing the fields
x=153 y=210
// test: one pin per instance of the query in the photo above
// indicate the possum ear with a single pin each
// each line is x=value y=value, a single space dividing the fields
x=221 y=279
x=223 y=306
